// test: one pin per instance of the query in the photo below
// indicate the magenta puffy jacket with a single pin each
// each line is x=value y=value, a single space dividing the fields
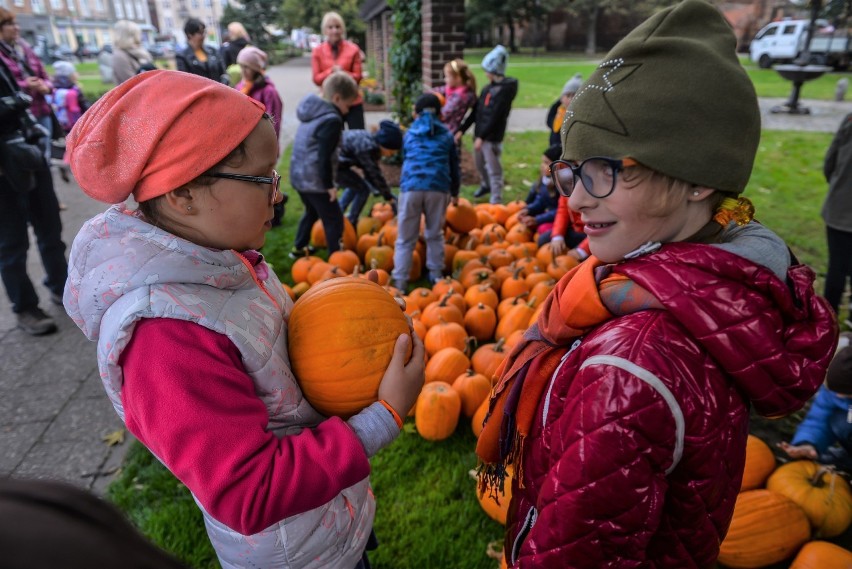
x=637 y=451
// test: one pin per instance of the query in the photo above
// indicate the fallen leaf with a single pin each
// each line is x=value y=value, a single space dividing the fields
x=114 y=438
x=409 y=428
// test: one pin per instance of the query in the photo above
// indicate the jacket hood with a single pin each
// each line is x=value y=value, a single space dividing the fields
x=313 y=107
x=774 y=339
x=427 y=123
x=510 y=84
x=117 y=255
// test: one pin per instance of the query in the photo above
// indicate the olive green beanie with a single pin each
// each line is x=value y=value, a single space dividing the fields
x=673 y=96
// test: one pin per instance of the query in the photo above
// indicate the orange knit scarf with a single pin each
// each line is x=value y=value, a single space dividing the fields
x=583 y=299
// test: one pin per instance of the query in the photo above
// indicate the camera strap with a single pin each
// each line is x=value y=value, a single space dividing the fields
x=12 y=53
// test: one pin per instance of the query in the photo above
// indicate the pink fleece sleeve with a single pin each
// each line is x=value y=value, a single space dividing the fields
x=188 y=398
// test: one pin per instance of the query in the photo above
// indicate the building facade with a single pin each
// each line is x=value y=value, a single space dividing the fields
x=171 y=15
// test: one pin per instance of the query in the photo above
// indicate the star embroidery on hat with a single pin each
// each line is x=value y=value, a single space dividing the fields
x=615 y=71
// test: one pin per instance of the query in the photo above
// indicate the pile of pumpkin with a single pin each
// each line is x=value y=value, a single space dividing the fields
x=780 y=509
x=468 y=321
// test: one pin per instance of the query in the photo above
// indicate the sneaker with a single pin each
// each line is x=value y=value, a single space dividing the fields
x=35 y=322
x=56 y=299
x=299 y=253
x=483 y=190
x=401 y=285
x=433 y=278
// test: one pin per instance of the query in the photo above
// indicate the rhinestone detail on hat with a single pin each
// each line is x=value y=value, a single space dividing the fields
x=614 y=65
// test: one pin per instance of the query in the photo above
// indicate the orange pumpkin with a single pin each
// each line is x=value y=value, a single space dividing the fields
x=345 y=259
x=317 y=270
x=476 y=423
x=495 y=501
x=514 y=286
x=446 y=365
x=444 y=285
x=342 y=334
x=382 y=211
x=561 y=265
x=760 y=462
x=379 y=256
x=518 y=318
x=487 y=358
x=823 y=494
x=766 y=528
x=462 y=217
x=480 y=322
x=441 y=310
x=368 y=225
x=482 y=294
x=301 y=267
x=473 y=388
x=300 y=288
x=422 y=297
x=822 y=555
x=445 y=335
x=436 y=413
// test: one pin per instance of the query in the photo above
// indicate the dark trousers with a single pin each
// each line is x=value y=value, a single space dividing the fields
x=839 y=265
x=354 y=119
x=319 y=206
x=354 y=196
x=39 y=208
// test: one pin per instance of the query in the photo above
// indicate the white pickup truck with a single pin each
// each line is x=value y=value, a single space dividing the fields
x=784 y=41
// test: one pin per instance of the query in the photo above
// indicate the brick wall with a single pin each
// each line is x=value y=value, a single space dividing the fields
x=442 y=37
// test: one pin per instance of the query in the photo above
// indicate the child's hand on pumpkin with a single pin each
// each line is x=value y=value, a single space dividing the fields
x=402 y=382
x=798 y=451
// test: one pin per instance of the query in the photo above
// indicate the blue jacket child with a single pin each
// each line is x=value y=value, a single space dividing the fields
x=430 y=179
x=829 y=420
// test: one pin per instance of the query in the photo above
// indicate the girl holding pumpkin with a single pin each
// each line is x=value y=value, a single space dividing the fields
x=191 y=325
x=624 y=411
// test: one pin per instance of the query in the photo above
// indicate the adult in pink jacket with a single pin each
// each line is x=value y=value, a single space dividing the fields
x=338 y=54
x=624 y=412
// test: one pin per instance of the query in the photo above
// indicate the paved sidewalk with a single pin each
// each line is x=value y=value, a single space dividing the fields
x=53 y=412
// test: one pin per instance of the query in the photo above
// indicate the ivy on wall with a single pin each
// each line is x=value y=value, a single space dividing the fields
x=405 y=58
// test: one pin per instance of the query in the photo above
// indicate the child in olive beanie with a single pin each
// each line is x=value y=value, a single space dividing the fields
x=673 y=96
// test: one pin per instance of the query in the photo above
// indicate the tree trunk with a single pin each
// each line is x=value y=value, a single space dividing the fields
x=510 y=25
x=592 y=31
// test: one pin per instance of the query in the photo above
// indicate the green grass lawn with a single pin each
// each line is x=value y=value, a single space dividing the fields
x=540 y=79
x=427 y=512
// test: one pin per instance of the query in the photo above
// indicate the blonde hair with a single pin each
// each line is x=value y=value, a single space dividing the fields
x=328 y=17
x=669 y=191
x=128 y=35
x=460 y=69
x=340 y=83
x=237 y=30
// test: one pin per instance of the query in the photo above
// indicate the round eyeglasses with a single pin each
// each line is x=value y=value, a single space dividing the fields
x=275 y=181
x=598 y=175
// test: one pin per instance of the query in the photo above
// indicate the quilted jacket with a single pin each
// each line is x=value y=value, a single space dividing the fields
x=638 y=447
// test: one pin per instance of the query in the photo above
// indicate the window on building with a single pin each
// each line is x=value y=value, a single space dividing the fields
x=119 y=10
x=99 y=6
x=128 y=9
x=84 y=8
x=224 y=3
x=169 y=23
x=140 y=10
x=72 y=6
x=167 y=3
x=20 y=4
x=195 y=4
x=56 y=4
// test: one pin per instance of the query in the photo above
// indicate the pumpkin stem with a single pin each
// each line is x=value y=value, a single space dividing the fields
x=373 y=275
x=498 y=347
x=374 y=263
x=817 y=480
x=470 y=345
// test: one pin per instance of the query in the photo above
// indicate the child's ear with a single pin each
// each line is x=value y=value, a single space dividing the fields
x=181 y=201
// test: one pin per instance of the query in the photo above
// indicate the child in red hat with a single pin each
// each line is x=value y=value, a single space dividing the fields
x=191 y=325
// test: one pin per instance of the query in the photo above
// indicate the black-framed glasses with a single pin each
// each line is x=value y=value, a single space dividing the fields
x=597 y=173
x=274 y=181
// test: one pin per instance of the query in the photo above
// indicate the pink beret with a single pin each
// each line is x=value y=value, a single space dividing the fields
x=156 y=132
x=253 y=58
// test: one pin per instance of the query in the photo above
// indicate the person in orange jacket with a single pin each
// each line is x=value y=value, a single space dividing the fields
x=338 y=54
